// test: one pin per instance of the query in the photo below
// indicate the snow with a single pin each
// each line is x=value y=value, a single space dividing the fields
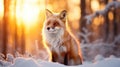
x=22 y=62
x=98 y=58
x=98 y=46
x=99 y=61
x=10 y=58
x=85 y=35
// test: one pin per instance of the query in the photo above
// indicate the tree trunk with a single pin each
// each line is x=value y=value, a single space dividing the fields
x=23 y=39
x=106 y=25
x=15 y=22
x=5 y=25
x=82 y=20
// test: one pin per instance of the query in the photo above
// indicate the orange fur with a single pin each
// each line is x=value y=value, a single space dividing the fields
x=65 y=48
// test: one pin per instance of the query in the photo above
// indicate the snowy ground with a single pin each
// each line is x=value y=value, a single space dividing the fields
x=99 y=61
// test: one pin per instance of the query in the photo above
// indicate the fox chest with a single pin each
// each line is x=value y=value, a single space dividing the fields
x=58 y=49
x=58 y=54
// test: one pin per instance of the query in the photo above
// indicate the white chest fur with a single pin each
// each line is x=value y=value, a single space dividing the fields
x=55 y=41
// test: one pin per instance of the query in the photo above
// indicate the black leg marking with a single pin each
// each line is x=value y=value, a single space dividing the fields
x=66 y=59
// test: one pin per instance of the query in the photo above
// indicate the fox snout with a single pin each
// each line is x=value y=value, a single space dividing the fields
x=48 y=28
x=54 y=29
x=51 y=29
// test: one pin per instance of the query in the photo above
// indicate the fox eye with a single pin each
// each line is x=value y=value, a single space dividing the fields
x=55 y=23
x=48 y=23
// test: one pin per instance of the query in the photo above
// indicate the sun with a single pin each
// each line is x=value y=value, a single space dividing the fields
x=28 y=12
x=95 y=5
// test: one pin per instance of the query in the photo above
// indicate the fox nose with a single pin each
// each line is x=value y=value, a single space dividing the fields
x=48 y=28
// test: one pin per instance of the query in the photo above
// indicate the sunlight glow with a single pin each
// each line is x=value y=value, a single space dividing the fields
x=74 y=14
x=98 y=20
x=95 y=5
x=28 y=11
x=1 y=9
x=30 y=14
x=110 y=16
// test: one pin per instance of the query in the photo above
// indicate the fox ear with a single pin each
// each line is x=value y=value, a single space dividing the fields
x=63 y=15
x=48 y=13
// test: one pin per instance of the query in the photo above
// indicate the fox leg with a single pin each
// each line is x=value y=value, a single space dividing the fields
x=66 y=59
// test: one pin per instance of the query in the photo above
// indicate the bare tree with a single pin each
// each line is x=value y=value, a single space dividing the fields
x=5 y=25
x=15 y=30
x=23 y=39
x=82 y=19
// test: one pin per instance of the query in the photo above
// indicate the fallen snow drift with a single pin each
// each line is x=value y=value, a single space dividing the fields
x=23 y=62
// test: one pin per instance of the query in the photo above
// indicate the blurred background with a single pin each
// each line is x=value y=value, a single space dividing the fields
x=95 y=22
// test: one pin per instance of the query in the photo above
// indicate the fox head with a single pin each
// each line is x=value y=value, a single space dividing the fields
x=55 y=23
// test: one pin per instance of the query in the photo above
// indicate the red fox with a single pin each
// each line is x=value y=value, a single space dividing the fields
x=64 y=47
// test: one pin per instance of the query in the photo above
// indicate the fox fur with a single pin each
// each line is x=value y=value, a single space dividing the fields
x=63 y=45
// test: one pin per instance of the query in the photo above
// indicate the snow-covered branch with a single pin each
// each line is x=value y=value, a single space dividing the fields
x=114 y=4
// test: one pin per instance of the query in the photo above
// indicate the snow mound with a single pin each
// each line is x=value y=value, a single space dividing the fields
x=22 y=62
x=98 y=58
x=109 y=62
x=29 y=62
